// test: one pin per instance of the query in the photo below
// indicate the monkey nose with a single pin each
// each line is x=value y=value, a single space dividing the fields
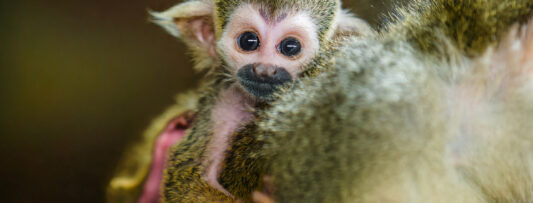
x=264 y=70
x=270 y=74
x=264 y=74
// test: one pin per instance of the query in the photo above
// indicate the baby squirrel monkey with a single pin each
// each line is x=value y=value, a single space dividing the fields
x=250 y=49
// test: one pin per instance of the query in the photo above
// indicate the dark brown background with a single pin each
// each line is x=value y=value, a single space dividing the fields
x=79 y=80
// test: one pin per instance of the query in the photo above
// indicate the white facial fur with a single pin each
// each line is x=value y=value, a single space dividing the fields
x=248 y=18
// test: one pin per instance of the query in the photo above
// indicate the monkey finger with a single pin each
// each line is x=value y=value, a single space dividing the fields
x=259 y=197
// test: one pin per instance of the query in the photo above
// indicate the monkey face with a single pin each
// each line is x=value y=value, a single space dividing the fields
x=263 y=51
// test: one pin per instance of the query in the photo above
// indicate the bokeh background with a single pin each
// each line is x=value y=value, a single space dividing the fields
x=79 y=81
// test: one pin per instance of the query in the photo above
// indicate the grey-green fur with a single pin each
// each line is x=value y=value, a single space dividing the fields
x=471 y=25
x=345 y=135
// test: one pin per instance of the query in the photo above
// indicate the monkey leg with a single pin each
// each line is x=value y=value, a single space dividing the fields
x=244 y=167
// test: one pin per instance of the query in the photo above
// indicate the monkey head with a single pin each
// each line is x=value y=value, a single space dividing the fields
x=267 y=51
x=261 y=45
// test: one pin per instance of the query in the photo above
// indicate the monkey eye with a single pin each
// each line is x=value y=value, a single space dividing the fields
x=248 y=41
x=290 y=47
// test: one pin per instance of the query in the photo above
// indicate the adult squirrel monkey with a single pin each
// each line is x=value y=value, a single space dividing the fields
x=438 y=107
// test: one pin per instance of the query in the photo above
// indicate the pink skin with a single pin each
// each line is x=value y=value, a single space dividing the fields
x=204 y=34
x=173 y=133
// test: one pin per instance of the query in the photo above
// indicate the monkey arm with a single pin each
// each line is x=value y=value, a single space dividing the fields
x=244 y=166
x=135 y=174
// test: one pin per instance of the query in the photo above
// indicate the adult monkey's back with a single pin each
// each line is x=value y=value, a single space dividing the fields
x=438 y=108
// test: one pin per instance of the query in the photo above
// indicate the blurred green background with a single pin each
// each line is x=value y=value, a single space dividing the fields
x=79 y=80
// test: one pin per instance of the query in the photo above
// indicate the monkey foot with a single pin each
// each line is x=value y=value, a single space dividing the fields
x=174 y=131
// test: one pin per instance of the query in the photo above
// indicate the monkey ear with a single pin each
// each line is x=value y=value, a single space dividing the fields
x=349 y=25
x=192 y=22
